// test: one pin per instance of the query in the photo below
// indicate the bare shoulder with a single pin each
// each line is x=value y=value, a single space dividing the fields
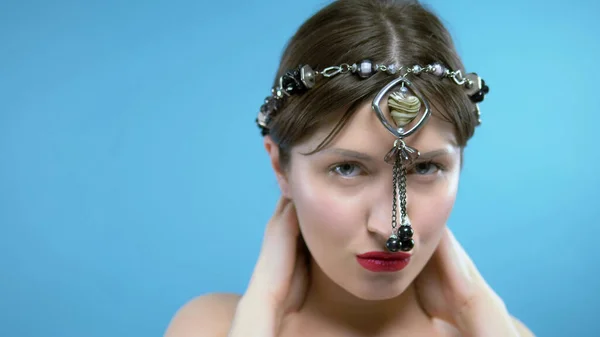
x=208 y=315
x=446 y=329
x=522 y=329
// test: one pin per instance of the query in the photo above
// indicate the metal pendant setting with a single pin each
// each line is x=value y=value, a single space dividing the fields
x=404 y=106
x=399 y=131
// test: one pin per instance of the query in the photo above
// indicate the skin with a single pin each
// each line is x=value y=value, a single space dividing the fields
x=343 y=201
x=338 y=203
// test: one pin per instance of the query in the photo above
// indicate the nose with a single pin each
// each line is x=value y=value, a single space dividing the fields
x=379 y=221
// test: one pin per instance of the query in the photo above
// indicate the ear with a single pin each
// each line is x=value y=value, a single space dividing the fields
x=280 y=173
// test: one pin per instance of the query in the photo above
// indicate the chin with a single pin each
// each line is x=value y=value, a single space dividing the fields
x=380 y=293
x=377 y=288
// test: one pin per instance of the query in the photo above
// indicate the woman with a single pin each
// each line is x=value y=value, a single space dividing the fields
x=365 y=130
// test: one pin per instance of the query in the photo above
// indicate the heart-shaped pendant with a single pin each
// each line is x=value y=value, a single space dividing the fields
x=404 y=107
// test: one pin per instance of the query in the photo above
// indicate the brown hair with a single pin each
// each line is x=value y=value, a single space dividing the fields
x=384 y=31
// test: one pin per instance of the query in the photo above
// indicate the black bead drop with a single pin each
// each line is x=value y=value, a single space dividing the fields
x=393 y=244
x=405 y=232
x=480 y=95
x=477 y=97
x=406 y=245
x=484 y=87
x=292 y=82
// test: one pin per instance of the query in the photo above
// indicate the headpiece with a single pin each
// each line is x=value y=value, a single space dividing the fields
x=405 y=104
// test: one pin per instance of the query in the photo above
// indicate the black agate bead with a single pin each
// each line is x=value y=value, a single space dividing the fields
x=292 y=82
x=393 y=244
x=405 y=232
x=406 y=245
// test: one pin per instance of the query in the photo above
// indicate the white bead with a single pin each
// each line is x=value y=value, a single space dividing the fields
x=392 y=69
x=365 y=69
x=437 y=70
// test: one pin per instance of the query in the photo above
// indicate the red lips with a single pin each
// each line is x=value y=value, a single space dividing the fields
x=383 y=261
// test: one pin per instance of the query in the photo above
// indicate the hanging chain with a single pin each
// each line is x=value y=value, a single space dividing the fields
x=402 y=189
x=397 y=163
x=399 y=183
x=401 y=237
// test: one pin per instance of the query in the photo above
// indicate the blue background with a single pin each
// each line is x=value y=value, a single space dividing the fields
x=130 y=161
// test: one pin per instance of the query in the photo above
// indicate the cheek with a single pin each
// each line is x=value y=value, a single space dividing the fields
x=327 y=215
x=429 y=206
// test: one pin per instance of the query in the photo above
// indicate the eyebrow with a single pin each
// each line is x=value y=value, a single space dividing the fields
x=432 y=154
x=349 y=153
x=365 y=157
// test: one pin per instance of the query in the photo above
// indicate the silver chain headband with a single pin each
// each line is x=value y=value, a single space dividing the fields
x=404 y=105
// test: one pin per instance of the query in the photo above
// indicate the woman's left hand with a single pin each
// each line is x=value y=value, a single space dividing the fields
x=451 y=288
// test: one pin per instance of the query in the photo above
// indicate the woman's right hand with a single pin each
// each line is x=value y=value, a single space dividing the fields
x=280 y=278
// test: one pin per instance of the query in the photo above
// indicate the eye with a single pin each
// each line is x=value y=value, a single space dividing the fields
x=426 y=168
x=347 y=170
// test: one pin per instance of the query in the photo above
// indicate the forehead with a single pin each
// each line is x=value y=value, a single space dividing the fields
x=365 y=132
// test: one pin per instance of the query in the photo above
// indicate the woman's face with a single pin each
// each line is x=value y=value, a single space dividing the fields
x=343 y=199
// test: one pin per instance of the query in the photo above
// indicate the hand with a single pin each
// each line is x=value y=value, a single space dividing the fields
x=451 y=288
x=281 y=275
x=280 y=278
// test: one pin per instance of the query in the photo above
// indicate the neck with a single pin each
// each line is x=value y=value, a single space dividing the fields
x=330 y=304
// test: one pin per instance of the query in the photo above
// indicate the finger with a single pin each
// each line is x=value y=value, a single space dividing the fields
x=469 y=288
x=279 y=243
x=448 y=264
x=466 y=263
x=283 y=227
x=282 y=203
x=299 y=280
x=457 y=268
x=275 y=265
